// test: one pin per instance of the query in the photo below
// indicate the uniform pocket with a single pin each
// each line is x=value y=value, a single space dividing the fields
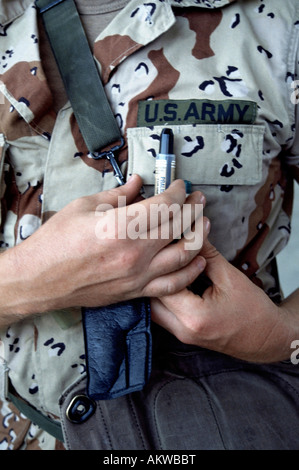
x=205 y=154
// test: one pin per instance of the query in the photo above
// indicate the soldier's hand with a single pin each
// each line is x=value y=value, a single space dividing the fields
x=233 y=316
x=84 y=254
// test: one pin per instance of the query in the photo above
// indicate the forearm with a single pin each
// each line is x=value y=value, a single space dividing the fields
x=16 y=299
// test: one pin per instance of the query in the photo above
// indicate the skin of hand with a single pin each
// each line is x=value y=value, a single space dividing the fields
x=68 y=261
x=233 y=316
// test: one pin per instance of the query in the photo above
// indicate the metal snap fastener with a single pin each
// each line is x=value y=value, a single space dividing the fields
x=80 y=409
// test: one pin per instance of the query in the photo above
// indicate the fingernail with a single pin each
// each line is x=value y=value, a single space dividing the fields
x=131 y=177
x=207 y=225
x=201 y=263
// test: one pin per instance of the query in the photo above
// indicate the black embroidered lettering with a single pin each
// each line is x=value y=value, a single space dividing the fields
x=147 y=112
x=241 y=111
x=197 y=111
x=208 y=109
x=192 y=112
x=225 y=115
x=170 y=112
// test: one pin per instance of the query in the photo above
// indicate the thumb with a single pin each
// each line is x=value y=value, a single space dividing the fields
x=217 y=265
x=122 y=195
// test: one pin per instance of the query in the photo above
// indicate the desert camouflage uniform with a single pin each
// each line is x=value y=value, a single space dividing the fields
x=220 y=73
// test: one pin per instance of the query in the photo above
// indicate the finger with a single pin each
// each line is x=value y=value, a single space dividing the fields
x=183 y=305
x=159 y=222
x=177 y=255
x=163 y=207
x=195 y=236
x=175 y=193
x=163 y=316
x=174 y=282
x=170 y=222
x=117 y=197
x=151 y=213
x=144 y=214
x=167 y=315
x=218 y=267
x=175 y=219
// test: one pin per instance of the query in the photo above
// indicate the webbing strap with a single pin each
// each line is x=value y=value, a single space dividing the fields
x=47 y=424
x=79 y=73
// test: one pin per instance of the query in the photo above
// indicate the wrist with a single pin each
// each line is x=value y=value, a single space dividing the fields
x=17 y=296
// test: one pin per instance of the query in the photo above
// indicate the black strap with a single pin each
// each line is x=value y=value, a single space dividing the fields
x=44 y=422
x=84 y=88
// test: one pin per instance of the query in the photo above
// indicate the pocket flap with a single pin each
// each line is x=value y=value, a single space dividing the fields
x=214 y=154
